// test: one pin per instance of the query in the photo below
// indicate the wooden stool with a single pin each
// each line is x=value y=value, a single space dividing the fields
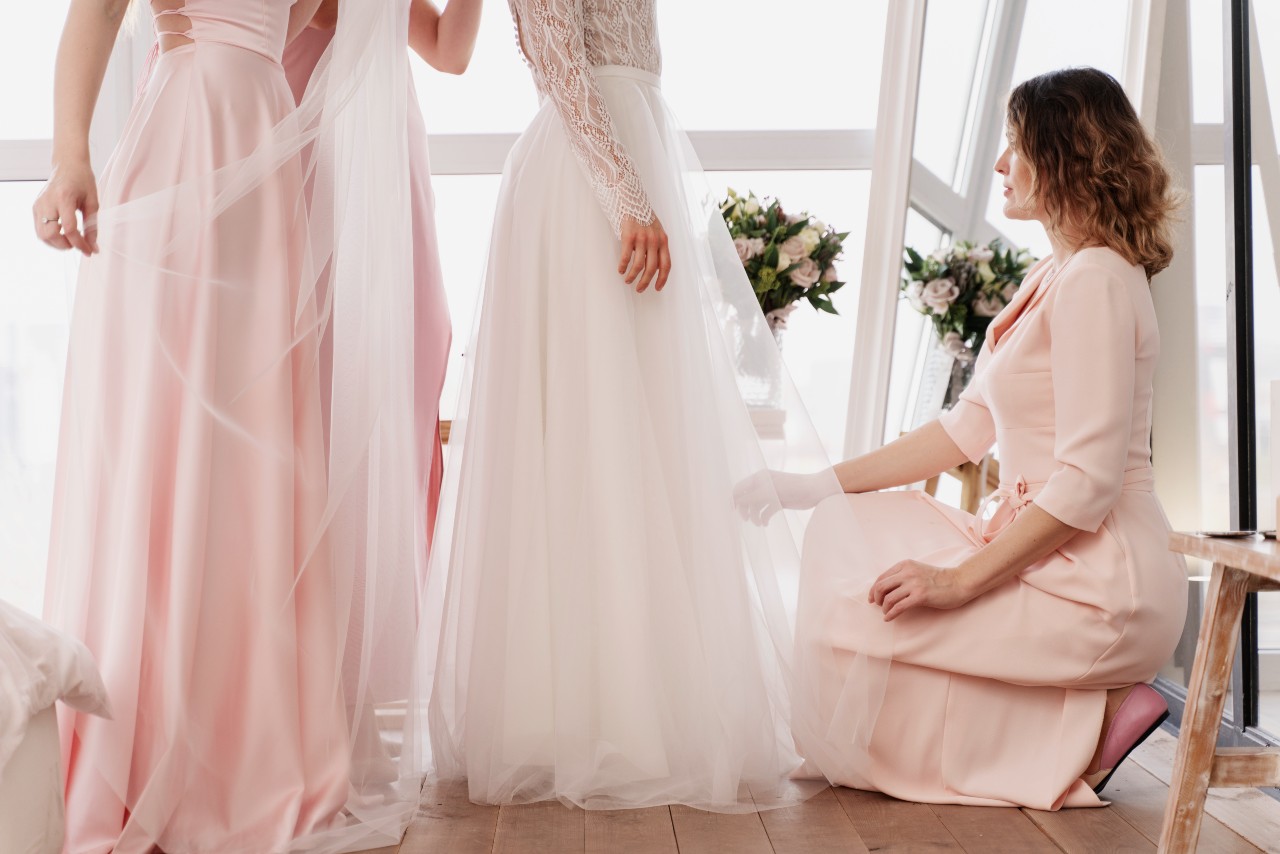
x=1240 y=567
x=973 y=485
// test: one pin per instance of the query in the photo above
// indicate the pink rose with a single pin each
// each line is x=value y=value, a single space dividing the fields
x=831 y=275
x=807 y=274
x=985 y=306
x=793 y=248
x=1010 y=291
x=748 y=247
x=939 y=294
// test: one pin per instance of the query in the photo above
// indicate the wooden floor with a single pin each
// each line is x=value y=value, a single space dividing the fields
x=844 y=820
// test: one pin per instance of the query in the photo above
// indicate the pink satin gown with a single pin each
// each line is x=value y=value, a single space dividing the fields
x=999 y=702
x=191 y=478
x=432 y=328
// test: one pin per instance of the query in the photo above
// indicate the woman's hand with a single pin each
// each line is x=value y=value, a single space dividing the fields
x=645 y=255
x=912 y=584
x=760 y=496
x=71 y=190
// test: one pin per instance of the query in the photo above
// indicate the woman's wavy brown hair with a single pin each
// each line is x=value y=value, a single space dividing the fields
x=1101 y=177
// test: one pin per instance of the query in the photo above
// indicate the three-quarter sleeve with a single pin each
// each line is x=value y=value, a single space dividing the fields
x=1093 y=354
x=552 y=34
x=969 y=422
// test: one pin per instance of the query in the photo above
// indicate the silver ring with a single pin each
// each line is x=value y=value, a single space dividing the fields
x=46 y=220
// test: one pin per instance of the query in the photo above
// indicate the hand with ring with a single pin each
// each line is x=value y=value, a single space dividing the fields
x=71 y=193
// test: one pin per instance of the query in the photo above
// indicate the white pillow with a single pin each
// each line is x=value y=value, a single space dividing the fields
x=40 y=665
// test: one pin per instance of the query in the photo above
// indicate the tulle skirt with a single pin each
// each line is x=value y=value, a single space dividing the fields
x=187 y=548
x=613 y=634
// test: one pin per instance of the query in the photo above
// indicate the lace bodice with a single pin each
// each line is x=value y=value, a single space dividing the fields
x=563 y=40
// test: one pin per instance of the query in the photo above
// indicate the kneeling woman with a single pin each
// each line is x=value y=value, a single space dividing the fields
x=1017 y=645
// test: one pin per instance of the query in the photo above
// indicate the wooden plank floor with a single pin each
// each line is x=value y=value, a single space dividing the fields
x=845 y=821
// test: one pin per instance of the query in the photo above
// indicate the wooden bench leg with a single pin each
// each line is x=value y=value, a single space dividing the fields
x=1206 y=693
x=970 y=487
x=931 y=486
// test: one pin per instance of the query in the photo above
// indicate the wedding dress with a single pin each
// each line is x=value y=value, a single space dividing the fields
x=612 y=633
x=241 y=569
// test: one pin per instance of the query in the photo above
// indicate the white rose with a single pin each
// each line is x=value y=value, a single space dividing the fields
x=940 y=255
x=987 y=306
x=807 y=274
x=1010 y=291
x=820 y=225
x=955 y=347
x=810 y=237
x=915 y=296
x=743 y=245
x=794 y=248
x=831 y=275
x=981 y=254
x=939 y=294
x=753 y=207
x=794 y=218
x=756 y=246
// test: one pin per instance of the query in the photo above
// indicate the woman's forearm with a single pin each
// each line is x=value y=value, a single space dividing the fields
x=921 y=454
x=1032 y=536
x=83 y=53
x=446 y=40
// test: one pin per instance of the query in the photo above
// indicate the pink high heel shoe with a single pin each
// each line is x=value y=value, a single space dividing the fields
x=1139 y=715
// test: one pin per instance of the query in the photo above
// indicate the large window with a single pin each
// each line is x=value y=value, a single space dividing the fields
x=794 y=120
x=797 y=127
x=974 y=52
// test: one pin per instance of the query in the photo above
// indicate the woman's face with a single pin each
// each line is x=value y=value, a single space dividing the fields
x=1016 y=173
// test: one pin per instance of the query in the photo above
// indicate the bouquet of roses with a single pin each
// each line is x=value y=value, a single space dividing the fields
x=961 y=288
x=787 y=258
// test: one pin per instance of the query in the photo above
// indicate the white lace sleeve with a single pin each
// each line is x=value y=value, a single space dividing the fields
x=552 y=36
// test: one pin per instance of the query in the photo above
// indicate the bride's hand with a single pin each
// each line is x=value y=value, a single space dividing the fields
x=760 y=496
x=71 y=189
x=645 y=254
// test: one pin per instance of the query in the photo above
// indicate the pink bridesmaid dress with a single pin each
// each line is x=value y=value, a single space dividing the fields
x=999 y=702
x=187 y=547
x=432 y=328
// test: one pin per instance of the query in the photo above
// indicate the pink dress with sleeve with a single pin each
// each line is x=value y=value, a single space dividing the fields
x=1000 y=701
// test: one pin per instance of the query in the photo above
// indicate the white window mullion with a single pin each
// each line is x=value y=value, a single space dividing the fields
x=1208 y=144
x=1143 y=56
x=934 y=198
x=992 y=93
x=25 y=159
x=886 y=222
x=1266 y=156
x=757 y=150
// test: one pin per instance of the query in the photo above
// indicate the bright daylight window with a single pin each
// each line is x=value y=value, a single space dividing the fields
x=833 y=85
x=820 y=80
